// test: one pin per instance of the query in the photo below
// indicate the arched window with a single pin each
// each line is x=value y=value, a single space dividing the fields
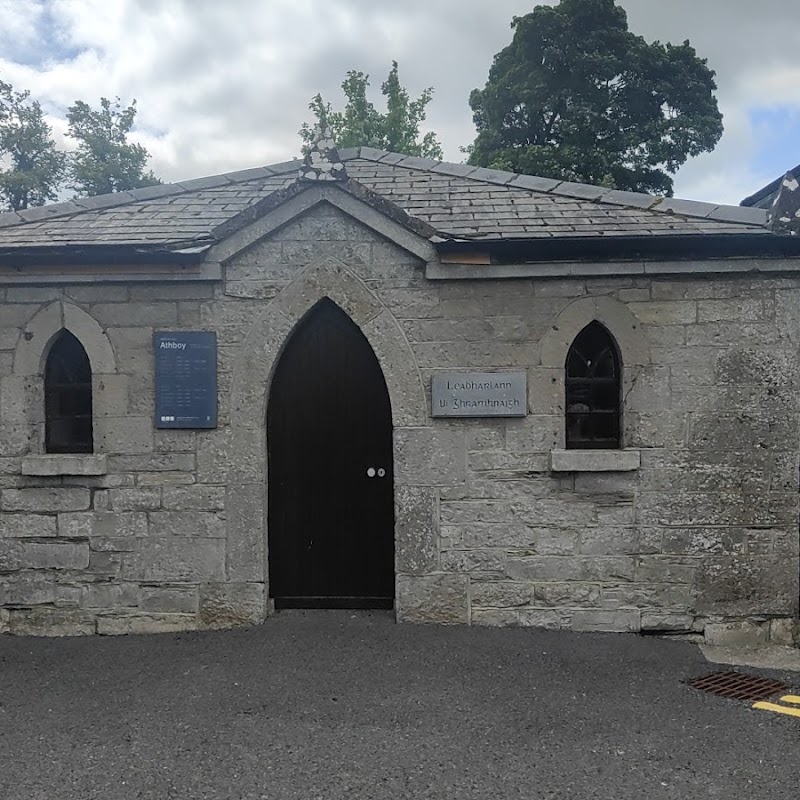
x=593 y=390
x=68 y=397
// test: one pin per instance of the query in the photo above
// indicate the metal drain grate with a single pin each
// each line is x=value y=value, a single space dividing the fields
x=738 y=686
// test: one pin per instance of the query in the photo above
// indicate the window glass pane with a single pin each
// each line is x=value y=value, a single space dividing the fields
x=605 y=396
x=68 y=397
x=576 y=365
x=593 y=390
x=605 y=365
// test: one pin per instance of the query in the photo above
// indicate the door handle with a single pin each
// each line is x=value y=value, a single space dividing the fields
x=380 y=472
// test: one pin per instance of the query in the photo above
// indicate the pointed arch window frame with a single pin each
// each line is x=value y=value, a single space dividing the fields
x=634 y=349
x=108 y=402
x=593 y=390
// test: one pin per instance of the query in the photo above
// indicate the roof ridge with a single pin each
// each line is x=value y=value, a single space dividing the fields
x=581 y=191
x=549 y=186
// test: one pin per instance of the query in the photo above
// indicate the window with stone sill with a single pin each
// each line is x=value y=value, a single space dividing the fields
x=68 y=397
x=593 y=391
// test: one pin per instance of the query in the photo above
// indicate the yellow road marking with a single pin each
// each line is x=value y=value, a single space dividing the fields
x=791 y=698
x=792 y=712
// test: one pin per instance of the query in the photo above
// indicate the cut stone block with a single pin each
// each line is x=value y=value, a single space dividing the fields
x=595 y=460
x=67 y=464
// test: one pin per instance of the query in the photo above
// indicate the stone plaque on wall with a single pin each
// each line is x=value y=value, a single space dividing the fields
x=480 y=394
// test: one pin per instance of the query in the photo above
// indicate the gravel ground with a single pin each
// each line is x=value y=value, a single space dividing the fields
x=350 y=705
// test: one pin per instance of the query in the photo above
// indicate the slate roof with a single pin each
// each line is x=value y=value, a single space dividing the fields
x=458 y=201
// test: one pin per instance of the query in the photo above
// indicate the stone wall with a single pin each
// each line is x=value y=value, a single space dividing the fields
x=170 y=532
x=705 y=530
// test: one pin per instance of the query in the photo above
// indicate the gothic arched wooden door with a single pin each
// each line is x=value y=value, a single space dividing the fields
x=330 y=476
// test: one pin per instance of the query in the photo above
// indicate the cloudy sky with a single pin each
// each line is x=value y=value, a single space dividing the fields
x=225 y=84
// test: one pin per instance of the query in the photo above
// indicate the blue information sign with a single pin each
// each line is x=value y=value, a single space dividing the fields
x=186 y=379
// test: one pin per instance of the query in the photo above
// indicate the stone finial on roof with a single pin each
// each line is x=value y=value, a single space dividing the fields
x=322 y=163
x=784 y=216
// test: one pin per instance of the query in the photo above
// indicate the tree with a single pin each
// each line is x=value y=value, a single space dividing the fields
x=105 y=161
x=577 y=96
x=35 y=167
x=360 y=123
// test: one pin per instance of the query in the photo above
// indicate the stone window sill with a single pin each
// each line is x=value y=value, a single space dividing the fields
x=595 y=460
x=64 y=464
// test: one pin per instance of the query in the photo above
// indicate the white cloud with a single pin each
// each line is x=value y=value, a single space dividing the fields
x=19 y=22
x=226 y=85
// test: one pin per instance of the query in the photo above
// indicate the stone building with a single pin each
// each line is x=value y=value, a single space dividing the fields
x=480 y=397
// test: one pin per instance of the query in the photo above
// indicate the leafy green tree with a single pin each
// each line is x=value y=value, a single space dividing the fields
x=105 y=161
x=34 y=167
x=361 y=124
x=577 y=96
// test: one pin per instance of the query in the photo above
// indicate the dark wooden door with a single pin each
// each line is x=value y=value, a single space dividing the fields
x=331 y=496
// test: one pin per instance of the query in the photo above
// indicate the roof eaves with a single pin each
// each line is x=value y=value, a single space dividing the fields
x=179 y=252
x=717 y=244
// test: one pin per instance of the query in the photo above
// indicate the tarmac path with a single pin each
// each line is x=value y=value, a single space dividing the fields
x=350 y=705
